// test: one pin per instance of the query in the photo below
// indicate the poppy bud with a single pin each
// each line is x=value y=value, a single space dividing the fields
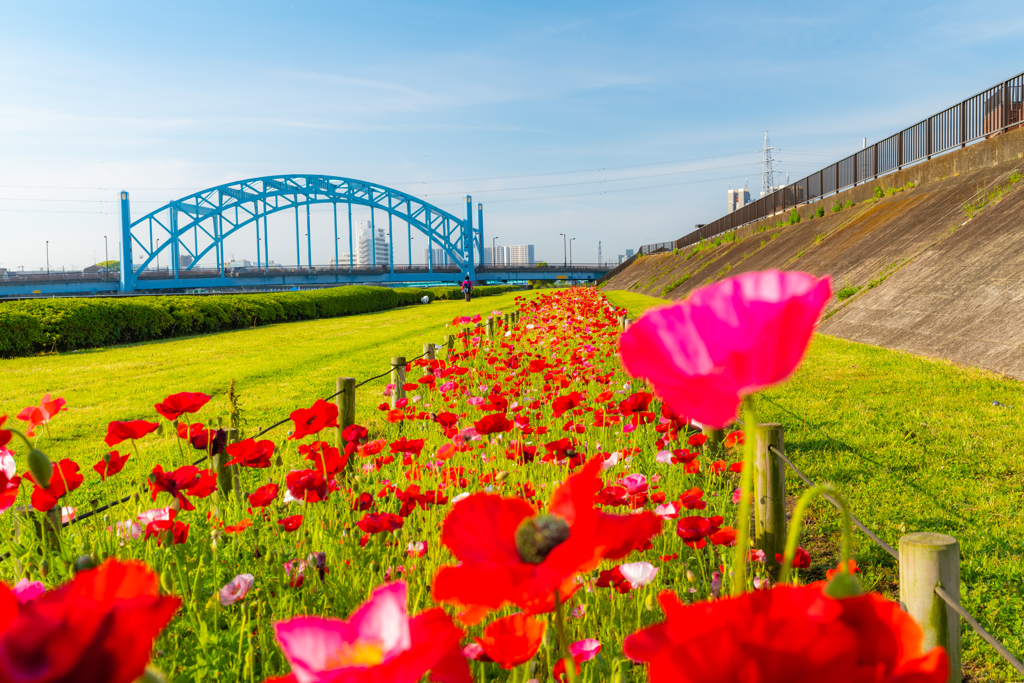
x=843 y=585
x=537 y=536
x=84 y=563
x=167 y=580
x=501 y=476
x=279 y=462
x=40 y=467
x=160 y=429
x=44 y=568
x=690 y=576
x=649 y=603
x=374 y=566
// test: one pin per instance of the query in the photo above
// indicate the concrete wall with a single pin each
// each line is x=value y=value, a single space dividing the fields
x=932 y=280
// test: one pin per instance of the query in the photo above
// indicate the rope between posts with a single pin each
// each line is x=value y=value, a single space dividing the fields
x=979 y=629
x=107 y=506
x=860 y=525
x=939 y=590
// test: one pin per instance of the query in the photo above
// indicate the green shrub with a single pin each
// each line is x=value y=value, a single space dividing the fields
x=846 y=292
x=848 y=204
x=60 y=324
x=794 y=217
x=879 y=192
x=20 y=333
x=820 y=211
x=837 y=207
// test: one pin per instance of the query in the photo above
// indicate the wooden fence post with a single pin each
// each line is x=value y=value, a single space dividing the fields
x=346 y=402
x=770 y=493
x=430 y=351
x=626 y=322
x=450 y=346
x=48 y=531
x=928 y=560
x=490 y=327
x=715 y=437
x=225 y=472
x=398 y=379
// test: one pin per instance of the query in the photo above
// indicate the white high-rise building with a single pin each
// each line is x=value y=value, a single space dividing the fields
x=366 y=244
x=441 y=257
x=738 y=199
x=511 y=255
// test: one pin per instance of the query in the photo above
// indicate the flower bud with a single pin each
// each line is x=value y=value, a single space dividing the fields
x=84 y=563
x=843 y=585
x=167 y=580
x=690 y=576
x=501 y=476
x=40 y=467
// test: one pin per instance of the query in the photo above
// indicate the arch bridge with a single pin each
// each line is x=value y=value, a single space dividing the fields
x=190 y=229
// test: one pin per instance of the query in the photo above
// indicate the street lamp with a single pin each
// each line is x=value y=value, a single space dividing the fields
x=494 y=254
x=570 y=252
x=563 y=248
x=158 y=255
x=106 y=259
x=47 y=258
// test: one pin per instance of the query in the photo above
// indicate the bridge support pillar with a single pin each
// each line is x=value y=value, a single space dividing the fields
x=127 y=269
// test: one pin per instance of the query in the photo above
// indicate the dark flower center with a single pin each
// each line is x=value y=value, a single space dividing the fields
x=537 y=536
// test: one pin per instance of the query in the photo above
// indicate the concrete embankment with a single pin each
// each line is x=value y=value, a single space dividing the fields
x=934 y=266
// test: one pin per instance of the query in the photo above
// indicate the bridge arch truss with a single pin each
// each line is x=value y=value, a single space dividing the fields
x=197 y=225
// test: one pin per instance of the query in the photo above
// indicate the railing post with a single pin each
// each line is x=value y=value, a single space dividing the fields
x=928 y=560
x=346 y=402
x=397 y=378
x=770 y=493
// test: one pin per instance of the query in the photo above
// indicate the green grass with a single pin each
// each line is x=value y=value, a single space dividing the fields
x=277 y=369
x=916 y=445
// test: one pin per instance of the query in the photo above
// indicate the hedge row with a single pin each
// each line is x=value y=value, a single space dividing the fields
x=61 y=324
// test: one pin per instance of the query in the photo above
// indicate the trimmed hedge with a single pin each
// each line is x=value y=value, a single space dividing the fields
x=60 y=324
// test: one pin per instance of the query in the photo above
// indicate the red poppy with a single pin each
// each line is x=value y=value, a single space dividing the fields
x=637 y=403
x=237 y=528
x=376 y=523
x=493 y=424
x=110 y=464
x=65 y=479
x=565 y=403
x=290 y=523
x=5 y=434
x=786 y=634
x=98 y=627
x=136 y=429
x=158 y=528
x=404 y=445
x=613 y=578
x=512 y=640
x=175 y=405
x=801 y=560
x=696 y=439
x=693 y=530
x=264 y=495
x=203 y=439
x=725 y=536
x=446 y=420
x=851 y=567
x=175 y=483
x=307 y=485
x=9 y=488
x=734 y=439
x=326 y=459
x=692 y=499
x=41 y=414
x=509 y=554
x=206 y=485
x=311 y=420
x=251 y=453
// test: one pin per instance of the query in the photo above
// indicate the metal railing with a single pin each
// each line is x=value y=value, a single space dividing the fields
x=993 y=111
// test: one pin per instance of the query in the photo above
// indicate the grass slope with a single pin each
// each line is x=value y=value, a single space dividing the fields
x=915 y=444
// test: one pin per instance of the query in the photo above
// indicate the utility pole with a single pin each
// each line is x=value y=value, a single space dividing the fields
x=767 y=175
x=564 y=261
x=570 y=252
x=47 y=259
x=494 y=254
x=106 y=259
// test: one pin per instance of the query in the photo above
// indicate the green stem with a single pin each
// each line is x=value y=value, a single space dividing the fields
x=796 y=525
x=739 y=569
x=563 y=642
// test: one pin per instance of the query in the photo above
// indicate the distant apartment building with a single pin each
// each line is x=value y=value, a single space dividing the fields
x=511 y=255
x=368 y=244
x=738 y=199
x=441 y=257
x=629 y=253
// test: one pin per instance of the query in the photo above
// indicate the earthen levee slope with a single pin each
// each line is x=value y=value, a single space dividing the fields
x=933 y=280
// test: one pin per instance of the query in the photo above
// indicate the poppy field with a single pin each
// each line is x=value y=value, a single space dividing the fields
x=538 y=505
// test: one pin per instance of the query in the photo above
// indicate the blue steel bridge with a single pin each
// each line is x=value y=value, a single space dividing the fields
x=197 y=226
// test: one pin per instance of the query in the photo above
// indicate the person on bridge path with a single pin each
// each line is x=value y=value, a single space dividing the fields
x=467 y=287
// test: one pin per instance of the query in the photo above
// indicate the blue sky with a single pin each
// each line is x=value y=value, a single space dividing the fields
x=619 y=122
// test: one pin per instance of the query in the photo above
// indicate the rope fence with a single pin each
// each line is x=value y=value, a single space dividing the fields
x=346 y=414
x=929 y=562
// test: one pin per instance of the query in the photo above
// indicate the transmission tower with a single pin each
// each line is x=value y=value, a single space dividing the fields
x=767 y=176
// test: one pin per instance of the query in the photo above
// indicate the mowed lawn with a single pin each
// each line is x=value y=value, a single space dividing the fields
x=276 y=369
x=915 y=444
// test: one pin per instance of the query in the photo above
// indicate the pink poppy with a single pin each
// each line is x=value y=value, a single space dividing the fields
x=27 y=591
x=726 y=341
x=236 y=589
x=635 y=484
x=378 y=642
x=639 y=574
